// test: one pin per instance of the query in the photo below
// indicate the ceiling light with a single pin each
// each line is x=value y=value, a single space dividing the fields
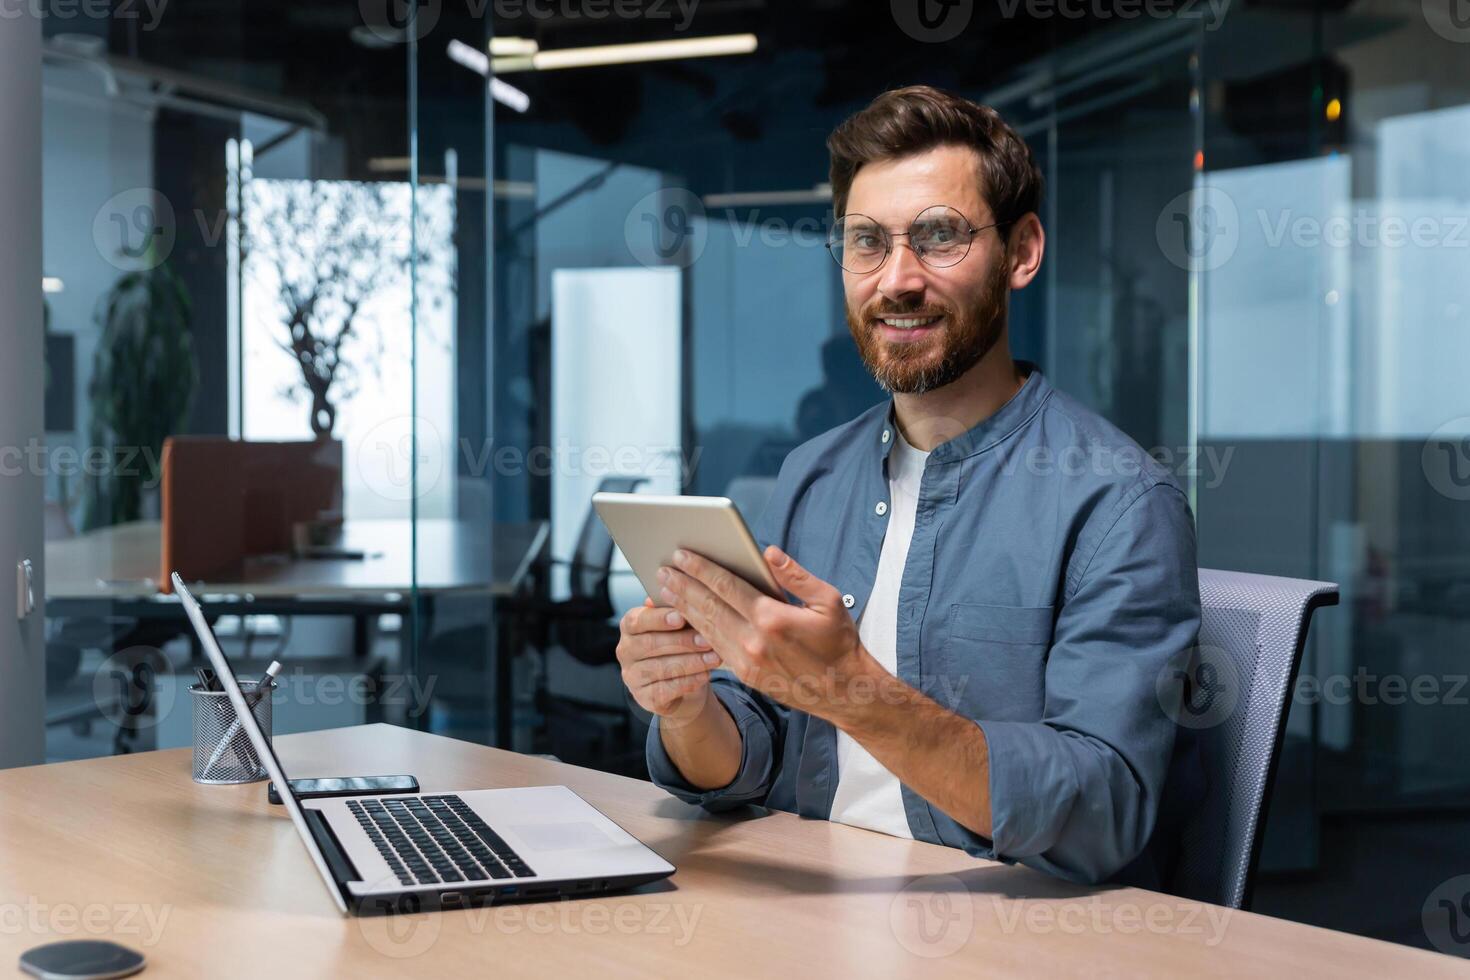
x=508 y=95
x=818 y=194
x=472 y=58
x=502 y=47
x=389 y=165
x=479 y=62
x=622 y=54
x=378 y=37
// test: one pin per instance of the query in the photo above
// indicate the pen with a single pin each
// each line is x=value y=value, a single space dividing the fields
x=262 y=689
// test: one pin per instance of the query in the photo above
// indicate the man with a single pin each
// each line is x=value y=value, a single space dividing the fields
x=990 y=579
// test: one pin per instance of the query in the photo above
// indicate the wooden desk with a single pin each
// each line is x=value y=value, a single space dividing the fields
x=211 y=881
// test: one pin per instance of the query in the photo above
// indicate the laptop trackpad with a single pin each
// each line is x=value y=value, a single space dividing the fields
x=578 y=836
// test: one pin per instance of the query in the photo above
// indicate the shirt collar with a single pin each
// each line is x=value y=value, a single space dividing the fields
x=1015 y=413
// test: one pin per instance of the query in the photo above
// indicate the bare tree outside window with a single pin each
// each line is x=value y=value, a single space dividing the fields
x=326 y=250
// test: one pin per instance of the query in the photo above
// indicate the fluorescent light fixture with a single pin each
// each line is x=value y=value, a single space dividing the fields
x=506 y=66
x=509 y=47
x=472 y=58
x=52 y=284
x=389 y=165
x=818 y=194
x=479 y=62
x=516 y=190
x=623 y=54
x=508 y=95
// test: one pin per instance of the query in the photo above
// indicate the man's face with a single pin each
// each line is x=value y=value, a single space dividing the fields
x=919 y=328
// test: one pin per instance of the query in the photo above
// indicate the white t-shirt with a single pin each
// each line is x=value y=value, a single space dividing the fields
x=867 y=794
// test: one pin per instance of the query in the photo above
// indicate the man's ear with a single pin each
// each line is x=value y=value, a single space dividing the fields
x=1024 y=247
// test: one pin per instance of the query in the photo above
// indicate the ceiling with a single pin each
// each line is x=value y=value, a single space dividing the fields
x=814 y=55
x=312 y=51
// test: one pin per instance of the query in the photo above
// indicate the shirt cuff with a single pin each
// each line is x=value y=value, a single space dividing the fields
x=752 y=779
x=1033 y=783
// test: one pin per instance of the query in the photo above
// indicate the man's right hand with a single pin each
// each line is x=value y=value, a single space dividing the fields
x=664 y=661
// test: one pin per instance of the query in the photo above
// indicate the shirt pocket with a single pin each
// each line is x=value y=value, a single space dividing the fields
x=994 y=660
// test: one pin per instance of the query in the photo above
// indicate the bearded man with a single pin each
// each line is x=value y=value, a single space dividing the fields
x=989 y=579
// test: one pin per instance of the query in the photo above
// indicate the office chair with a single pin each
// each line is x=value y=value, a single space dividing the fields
x=78 y=705
x=1253 y=629
x=580 y=693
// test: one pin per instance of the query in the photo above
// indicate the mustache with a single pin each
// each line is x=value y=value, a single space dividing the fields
x=882 y=310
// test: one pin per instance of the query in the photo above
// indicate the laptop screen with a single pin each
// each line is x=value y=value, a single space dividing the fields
x=257 y=738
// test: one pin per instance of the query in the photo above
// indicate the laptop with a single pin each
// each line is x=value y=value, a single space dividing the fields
x=461 y=849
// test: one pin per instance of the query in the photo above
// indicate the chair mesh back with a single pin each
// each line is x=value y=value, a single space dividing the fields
x=1251 y=638
x=592 y=561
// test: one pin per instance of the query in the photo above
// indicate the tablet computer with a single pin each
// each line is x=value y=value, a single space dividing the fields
x=650 y=528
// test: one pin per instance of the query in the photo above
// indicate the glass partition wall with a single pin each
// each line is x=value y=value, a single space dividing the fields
x=228 y=279
x=1330 y=362
x=469 y=566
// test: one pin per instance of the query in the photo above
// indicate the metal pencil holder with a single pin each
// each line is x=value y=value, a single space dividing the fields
x=222 y=751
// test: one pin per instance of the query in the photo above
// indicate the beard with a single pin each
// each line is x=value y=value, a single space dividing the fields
x=965 y=336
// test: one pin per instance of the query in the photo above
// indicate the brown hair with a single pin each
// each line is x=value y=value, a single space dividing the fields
x=918 y=118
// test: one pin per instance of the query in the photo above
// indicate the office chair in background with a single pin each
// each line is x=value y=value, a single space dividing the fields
x=1254 y=628
x=585 y=710
x=77 y=702
x=584 y=715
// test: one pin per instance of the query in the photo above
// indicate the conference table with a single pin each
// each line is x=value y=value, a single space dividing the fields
x=213 y=881
x=406 y=567
x=119 y=566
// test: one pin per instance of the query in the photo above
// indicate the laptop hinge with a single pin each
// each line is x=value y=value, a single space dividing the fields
x=332 y=850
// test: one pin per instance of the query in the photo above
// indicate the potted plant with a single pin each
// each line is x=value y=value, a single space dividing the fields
x=143 y=381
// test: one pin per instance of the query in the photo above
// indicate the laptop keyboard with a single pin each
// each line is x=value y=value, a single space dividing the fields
x=436 y=839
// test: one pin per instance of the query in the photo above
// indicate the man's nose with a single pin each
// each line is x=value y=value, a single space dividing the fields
x=903 y=274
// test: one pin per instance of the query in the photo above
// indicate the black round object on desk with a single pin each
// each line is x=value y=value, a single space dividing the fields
x=81 y=959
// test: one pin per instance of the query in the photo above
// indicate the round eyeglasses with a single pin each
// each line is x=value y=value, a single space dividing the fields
x=940 y=236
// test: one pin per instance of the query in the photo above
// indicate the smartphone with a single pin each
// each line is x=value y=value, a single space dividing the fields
x=316 y=789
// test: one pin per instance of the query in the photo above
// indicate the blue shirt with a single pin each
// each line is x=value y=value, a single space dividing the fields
x=1050 y=583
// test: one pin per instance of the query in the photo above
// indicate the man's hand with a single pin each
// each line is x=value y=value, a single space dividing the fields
x=810 y=658
x=663 y=660
x=803 y=656
x=666 y=667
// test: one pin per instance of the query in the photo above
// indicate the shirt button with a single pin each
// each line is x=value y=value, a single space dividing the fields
x=887 y=435
x=848 y=600
x=881 y=509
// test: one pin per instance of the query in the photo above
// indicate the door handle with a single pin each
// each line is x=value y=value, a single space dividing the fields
x=25 y=589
